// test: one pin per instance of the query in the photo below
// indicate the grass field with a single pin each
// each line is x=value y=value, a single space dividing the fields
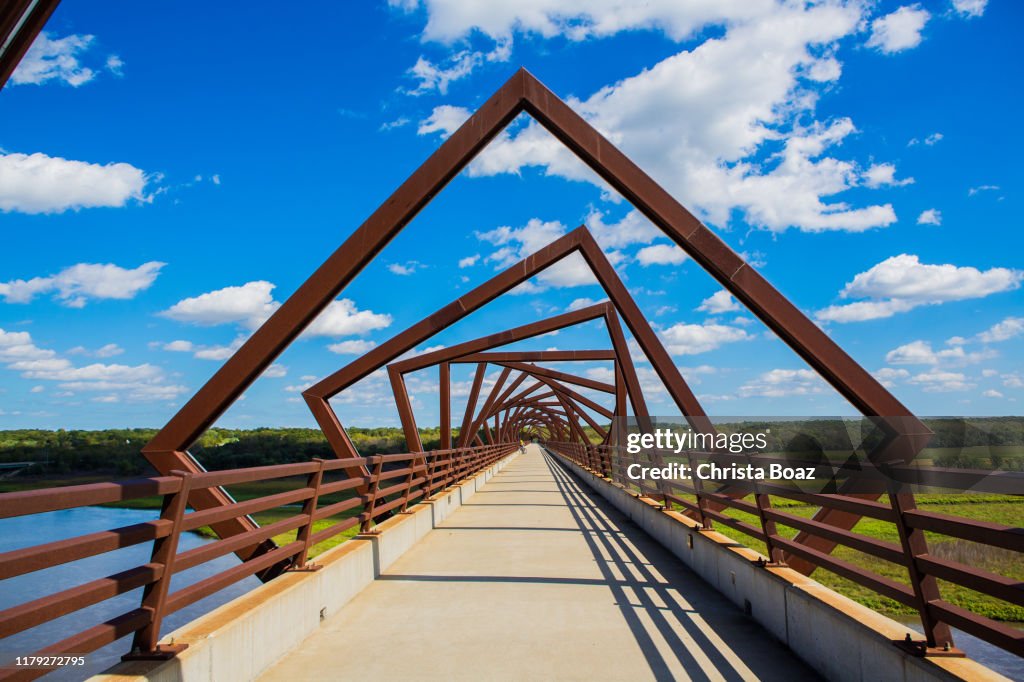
x=1003 y=509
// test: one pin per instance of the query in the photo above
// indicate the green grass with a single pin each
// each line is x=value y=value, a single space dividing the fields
x=1003 y=509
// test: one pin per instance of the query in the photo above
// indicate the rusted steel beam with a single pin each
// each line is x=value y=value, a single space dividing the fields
x=20 y=22
x=539 y=356
x=445 y=384
x=474 y=396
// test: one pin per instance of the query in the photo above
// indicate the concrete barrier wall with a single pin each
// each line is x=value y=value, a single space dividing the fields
x=244 y=637
x=838 y=637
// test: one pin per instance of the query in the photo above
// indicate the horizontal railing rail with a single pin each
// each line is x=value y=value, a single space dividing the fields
x=393 y=483
x=708 y=502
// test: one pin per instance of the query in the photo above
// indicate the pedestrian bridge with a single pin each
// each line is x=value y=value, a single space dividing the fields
x=474 y=561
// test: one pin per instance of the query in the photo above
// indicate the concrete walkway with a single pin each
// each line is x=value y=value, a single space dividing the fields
x=535 y=578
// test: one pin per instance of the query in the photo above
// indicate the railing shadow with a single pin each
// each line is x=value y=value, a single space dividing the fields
x=700 y=633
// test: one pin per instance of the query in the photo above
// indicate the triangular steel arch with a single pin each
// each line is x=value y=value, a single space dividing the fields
x=524 y=93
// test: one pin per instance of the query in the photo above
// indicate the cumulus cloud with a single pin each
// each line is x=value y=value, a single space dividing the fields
x=469 y=261
x=516 y=243
x=352 y=347
x=779 y=383
x=37 y=183
x=404 y=269
x=436 y=77
x=718 y=303
x=691 y=339
x=921 y=353
x=883 y=175
x=250 y=304
x=898 y=31
x=143 y=382
x=930 y=216
x=1009 y=328
x=698 y=120
x=580 y=303
x=970 y=9
x=888 y=376
x=942 y=382
x=660 y=254
x=55 y=59
x=107 y=351
x=444 y=120
x=343 y=318
x=903 y=282
x=77 y=285
x=929 y=141
x=634 y=228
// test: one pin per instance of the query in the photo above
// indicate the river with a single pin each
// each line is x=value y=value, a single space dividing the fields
x=39 y=528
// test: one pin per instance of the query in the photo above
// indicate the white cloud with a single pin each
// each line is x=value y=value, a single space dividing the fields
x=921 y=353
x=691 y=339
x=718 y=303
x=219 y=352
x=343 y=318
x=179 y=346
x=902 y=283
x=992 y=393
x=55 y=59
x=698 y=120
x=930 y=216
x=580 y=303
x=930 y=141
x=778 y=383
x=883 y=175
x=450 y=20
x=1013 y=380
x=352 y=347
x=889 y=376
x=444 y=120
x=37 y=183
x=982 y=188
x=515 y=244
x=434 y=77
x=76 y=285
x=108 y=351
x=275 y=371
x=469 y=261
x=942 y=382
x=249 y=305
x=970 y=9
x=660 y=254
x=404 y=269
x=139 y=382
x=634 y=228
x=898 y=31
x=1009 y=328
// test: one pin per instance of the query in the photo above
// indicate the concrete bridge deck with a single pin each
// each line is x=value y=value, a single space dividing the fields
x=537 y=578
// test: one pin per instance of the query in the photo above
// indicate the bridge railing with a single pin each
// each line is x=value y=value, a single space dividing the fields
x=809 y=542
x=391 y=484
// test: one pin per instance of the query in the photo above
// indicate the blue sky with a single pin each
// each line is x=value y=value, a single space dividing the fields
x=170 y=172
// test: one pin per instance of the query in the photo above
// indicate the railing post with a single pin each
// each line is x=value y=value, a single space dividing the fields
x=154 y=595
x=305 y=534
x=926 y=588
x=371 y=490
x=698 y=490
